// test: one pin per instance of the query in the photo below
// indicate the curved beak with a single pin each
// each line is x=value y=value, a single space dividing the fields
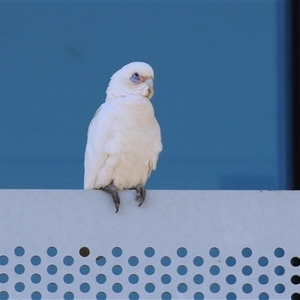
x=149 y=83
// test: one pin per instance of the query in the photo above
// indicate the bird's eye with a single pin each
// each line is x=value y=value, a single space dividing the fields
x=135 y=77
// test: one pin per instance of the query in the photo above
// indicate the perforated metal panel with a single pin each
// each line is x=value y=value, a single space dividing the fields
x=178 y=245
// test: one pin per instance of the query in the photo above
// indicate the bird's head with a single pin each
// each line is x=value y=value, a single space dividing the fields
x=135 y=78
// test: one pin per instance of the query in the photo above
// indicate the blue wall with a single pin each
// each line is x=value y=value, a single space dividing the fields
x=218 y=89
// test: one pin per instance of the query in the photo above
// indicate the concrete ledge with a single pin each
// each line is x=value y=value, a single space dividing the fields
x=237 y=216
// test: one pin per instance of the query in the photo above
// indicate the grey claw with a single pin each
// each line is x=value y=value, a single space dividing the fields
x=140 y=194
x=111 y=189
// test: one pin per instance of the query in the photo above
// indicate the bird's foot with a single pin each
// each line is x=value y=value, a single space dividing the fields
x=140 y=194
x=111 y=189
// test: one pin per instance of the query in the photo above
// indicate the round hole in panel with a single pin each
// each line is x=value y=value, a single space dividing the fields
x=263 y=296
x=230 y=261
x=19 y=287
x=68 y=278
x=214 y=270
x=279 y=252
x=263 y=279
x=166 y=296
x=4 y=295
x=84 y=287
x=182 y=270
x=182 y=287
x=246 y=252
x=214 y=288
x=3 y=278
x=101 y=278
x=3 y=260
x=231 y=296
x=149 y=252
x=165 y=261
x=133 y=296
x=116 y=251
x=166 y=279
x=198 y=279
x=214 y=252
x=247 y=288
x=52 y=269
x=68 y=296
x=52 y=287
x=149 y=287
x=198 y=296
x=117 y=270
x=117 y=288
x=19 y=251
x=84 y=269
x=100 y=261
x=36 y=296
x=279 y=288
x=19 y=269
x=84 y=251
x=133 y=261
x=68 y=260
x=247 y=270
x=35 y=260
x=279 y=270
x=231 y=279
x=263 y=261
x=101 y=296
x=295 y=261
x=296 y=296
x=295 y=279
x=133 y=279
x=149 y=270
x=181 y=252
x=198 y=261
x=51 y=251
x=36 y=278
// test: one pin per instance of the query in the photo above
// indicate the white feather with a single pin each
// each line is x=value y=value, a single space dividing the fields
x=124 y=138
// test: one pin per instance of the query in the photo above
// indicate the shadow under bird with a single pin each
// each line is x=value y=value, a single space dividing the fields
x=123 y=139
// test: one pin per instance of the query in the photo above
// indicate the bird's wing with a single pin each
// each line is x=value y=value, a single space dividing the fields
x=96 y=153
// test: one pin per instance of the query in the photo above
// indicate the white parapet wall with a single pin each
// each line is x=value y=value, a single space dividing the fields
x=70 y=244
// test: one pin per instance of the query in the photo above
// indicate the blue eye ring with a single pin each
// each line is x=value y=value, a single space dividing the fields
x=135 y=77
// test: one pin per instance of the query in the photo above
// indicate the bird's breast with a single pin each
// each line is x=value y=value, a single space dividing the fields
x=135 y=141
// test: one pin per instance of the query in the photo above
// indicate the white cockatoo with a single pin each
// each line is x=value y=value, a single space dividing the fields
x=123 y=140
